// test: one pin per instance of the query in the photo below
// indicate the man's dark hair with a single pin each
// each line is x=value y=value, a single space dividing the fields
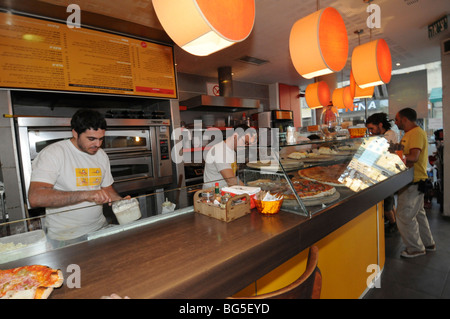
x=378 y=118
x=409 y=113
x=86 y=119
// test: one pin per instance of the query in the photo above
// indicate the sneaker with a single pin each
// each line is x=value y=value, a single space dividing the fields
x=430 y=248
x=408 y=254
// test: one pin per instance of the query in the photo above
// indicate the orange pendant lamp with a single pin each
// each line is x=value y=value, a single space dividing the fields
x=372 y=64
x=359 y=93
x=342 y=98
x=318 y=43
x=202 y=27
x=317 y=95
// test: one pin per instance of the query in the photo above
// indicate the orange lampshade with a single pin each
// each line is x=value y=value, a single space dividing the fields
x=372 y=63
x=317 y=95
x=318 y=43
x=359 y=93
x=202 y=27
x=342 y=98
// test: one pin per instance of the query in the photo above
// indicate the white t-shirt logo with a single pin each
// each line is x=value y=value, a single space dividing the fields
x=88 y=177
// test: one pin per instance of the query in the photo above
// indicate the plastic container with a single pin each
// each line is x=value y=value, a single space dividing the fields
x=268 y=207
x=22 y=245
x=167 y=207
x=126 y=210
x=356 y=132
x=207 y=197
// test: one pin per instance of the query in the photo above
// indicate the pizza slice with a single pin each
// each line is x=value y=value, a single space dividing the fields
x=324 y=174
x=29 y=282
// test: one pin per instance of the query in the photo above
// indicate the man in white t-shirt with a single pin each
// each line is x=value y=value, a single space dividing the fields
x=72 y=180
x=220 y=161
x=379 y=124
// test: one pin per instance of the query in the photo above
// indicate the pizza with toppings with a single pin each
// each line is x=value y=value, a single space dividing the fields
x=29 y=282
x=307 y=189
x=324 y=174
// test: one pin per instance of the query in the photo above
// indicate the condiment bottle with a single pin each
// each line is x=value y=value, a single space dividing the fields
x=225 y=198
x=217 y=196
x=206 y=197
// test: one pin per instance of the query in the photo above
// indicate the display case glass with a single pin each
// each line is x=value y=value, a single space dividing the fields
x=309 y=176
x=312 y=175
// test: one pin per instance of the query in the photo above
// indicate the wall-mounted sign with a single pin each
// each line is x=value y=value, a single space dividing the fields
x=438 y=26
x=41 y=54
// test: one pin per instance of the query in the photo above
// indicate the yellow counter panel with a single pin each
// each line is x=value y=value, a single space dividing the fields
x=344 y=258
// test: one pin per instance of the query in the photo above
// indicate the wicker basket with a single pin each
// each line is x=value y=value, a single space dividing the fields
x=232 y=210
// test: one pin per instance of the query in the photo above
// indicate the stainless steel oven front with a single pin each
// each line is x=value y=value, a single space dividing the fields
x=138 y=149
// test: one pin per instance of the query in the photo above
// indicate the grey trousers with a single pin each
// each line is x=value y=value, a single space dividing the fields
x=412 y=221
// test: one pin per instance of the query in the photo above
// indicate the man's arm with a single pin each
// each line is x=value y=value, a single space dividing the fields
x=412 y=157
x=229 y=177
x=43 y=195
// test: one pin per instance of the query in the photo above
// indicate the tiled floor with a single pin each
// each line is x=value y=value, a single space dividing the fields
x=421 y=277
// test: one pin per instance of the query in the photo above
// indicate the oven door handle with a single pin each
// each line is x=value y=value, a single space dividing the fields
x=115 y=156
x=132 y=179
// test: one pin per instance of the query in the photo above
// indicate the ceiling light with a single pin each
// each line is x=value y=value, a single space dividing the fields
x=317 y=95
x=202 y=27
x=372 y=63
x=342 y=98
x=357 y=92
x=318 y=43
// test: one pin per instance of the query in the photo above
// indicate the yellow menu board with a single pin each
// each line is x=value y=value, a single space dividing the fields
x=40 y=54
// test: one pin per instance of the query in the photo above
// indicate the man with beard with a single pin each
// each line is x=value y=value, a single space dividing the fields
x=379 y=124
x=72 y=180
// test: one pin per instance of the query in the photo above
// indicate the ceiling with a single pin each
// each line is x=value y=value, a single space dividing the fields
x=403 y=26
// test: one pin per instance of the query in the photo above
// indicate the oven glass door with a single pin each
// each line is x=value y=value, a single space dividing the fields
x=126 y=141
x=131 y=168
x=114 y=141
x=39 y=139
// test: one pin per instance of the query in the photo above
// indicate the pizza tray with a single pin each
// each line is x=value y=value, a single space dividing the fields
x=315 y=180
x=289 y=203
x=312 y=160
x=318 y=158
x=288 y=164
x=345 y=153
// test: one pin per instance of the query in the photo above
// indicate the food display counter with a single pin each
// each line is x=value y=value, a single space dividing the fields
x=185 y=254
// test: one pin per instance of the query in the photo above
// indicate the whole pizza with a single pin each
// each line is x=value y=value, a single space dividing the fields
x=308 y=189
x=29 y=282
x=324 y=174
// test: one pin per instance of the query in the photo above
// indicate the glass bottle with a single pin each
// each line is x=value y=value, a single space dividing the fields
x=217 y=195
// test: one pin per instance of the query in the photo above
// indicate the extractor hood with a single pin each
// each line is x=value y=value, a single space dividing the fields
x=212 y=103
x=223 y=103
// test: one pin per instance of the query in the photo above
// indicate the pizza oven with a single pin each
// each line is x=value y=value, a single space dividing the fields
x=138 y=149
